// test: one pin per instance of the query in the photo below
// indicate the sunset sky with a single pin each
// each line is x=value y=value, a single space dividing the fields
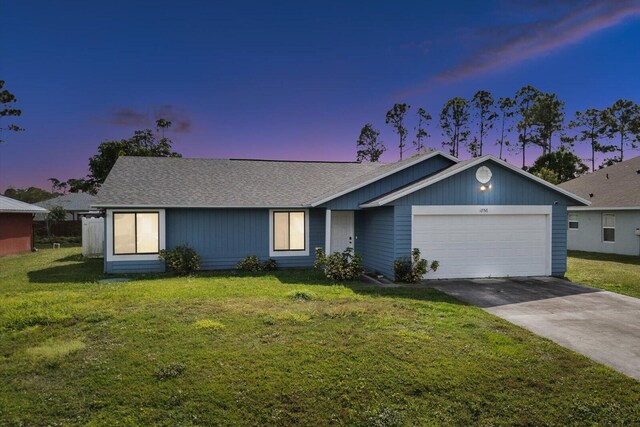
x=288 y=80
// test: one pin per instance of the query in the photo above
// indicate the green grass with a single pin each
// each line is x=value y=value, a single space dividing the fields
x=284 y=348
x=615 y=273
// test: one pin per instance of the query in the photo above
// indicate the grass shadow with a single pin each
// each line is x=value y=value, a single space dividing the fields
x=596 y=256
x=79 y=270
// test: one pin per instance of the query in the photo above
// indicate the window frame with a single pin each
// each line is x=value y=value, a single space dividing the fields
x=135 y=232
x=288 y=252
x=576 y=221
x=109 y=236
x=613 y=215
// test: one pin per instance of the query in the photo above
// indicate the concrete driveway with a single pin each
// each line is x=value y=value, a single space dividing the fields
x=601 y=325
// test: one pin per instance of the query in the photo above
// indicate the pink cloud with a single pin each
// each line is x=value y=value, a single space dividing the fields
x=532 y=40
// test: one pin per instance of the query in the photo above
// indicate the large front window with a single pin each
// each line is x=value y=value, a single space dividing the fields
x=135 y=233
x=289 y=231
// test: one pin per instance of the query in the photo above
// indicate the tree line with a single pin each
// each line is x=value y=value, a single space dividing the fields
x=529 y=118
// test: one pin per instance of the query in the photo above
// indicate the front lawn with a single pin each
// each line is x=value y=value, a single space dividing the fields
x=615 y=273
x=276 y=349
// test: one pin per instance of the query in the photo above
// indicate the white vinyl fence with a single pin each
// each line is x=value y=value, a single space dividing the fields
x=92 y=237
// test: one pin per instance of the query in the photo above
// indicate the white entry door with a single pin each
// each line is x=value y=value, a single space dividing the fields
x=342 y=232
x=495 y=241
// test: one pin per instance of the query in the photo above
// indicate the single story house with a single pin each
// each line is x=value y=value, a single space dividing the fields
x=611 y=224
x=77 y=205
x=16 y=225
x=481 y=217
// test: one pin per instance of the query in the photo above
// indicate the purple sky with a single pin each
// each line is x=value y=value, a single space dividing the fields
x=288 y=80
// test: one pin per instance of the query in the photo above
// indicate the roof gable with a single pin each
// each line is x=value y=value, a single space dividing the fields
x=617 y=185
x=384 y=171
x=460 y=168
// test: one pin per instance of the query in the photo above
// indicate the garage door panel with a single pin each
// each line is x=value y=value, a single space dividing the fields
x=483 y=245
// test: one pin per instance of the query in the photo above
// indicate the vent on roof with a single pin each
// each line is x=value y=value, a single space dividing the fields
x=590 y=194
x=638 y=171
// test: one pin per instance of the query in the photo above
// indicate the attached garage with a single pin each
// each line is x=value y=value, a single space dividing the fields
x=481 y=217
x=486 y=241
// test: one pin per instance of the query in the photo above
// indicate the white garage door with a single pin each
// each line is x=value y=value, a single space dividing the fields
x=491 y=241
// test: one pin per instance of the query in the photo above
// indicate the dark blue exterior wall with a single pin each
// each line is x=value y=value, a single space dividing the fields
x=223 y=237
x=508 y=188
x=352 y=201
x=375 y=239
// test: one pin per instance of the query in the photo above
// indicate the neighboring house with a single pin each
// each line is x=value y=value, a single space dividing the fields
x=479 y=218
x=77 y=205
x=16 y=225
x=611 y=224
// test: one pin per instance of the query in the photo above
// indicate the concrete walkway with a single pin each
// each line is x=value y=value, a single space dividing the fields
x=602 y=325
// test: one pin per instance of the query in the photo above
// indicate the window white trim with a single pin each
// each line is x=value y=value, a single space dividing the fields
x=576 y=220
x=493 y=210
x=136 y=257
x=604 y=227
x=273 y=253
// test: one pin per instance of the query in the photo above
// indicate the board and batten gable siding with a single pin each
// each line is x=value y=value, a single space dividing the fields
x=222 y=237
x=352 y=200
x=508 y=188
x=375 y=240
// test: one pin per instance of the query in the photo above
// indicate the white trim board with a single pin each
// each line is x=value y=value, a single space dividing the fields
x=109 y=255
x=598 y=208
x=277 y=254
x=417 y=160
x=444 y=175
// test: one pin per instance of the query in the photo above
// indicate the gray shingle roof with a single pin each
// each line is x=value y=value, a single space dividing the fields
x=9 y=205
x=183 y=182
x=70 y=202
x=615 y=186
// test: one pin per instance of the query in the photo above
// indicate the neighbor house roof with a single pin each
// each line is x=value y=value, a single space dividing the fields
x=8 y=205
x=182 y=182
x=457 y=168
x=70 y=202
x=617 y=185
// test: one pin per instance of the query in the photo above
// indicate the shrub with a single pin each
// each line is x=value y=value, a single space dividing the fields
x=252 y=264
x=339 y=266
x=269 y=265
x=181 y=259
x=411 y=270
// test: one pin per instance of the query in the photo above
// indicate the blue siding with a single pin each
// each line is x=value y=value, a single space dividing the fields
x=223 y=237
x=118 y=267
x=508 y=188
x=353 y=200
x=375 y=239
x=559 y=227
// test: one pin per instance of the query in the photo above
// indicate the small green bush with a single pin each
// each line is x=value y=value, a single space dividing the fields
x=339 y=266
x=411 y=270
x=181 y=259
x=269 y=265
x=252 y=264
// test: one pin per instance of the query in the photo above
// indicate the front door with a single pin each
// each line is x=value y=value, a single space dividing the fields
x=341 y=230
